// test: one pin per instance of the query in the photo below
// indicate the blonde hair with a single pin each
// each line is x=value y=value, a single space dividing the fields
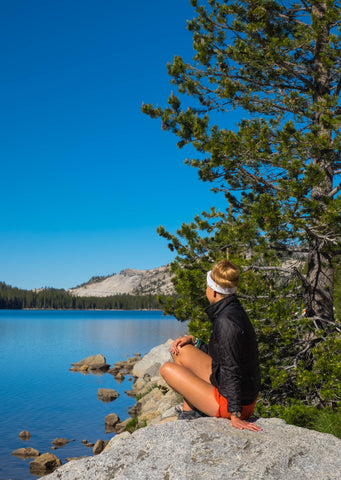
x=226 y=274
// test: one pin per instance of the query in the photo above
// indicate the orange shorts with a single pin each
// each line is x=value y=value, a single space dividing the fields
x=247 y=410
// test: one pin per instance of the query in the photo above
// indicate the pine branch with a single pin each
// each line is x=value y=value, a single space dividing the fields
x=259 y=180
x=334 y=191
x=269 y=269
x=289 y=249
x=334 y=323
x=338 y=89
x=307 y=7
x=289 y=68
x=266 y=297
x=324 y=239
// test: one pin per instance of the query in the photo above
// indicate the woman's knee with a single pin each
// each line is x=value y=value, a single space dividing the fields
x=166 y=369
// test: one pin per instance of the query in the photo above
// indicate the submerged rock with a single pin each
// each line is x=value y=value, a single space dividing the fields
x=93 y=363
x=60 y=442
x=125 y=367
x=25 y=435
x=107 y=394
x=44 y=464
x=26 y=452
x=110 y=422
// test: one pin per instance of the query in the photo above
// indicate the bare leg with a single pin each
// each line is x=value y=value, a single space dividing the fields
x=189 y=375
x=197 y=362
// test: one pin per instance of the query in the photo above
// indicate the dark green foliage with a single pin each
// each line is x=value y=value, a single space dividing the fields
x=132 y=425
x=277 y=64
x=295 y=413
x=328 y=422
x=301 y=415
x=51 y=298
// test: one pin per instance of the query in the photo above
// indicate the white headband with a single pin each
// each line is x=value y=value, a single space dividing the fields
x=217 y=288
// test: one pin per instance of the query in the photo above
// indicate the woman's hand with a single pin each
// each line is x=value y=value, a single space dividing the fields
x=243 y=424
x=180 y=342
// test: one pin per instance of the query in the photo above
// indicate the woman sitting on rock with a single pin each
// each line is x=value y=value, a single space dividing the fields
x=223 y=378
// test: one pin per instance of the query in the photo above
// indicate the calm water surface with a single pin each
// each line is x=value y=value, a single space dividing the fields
x=40 y=394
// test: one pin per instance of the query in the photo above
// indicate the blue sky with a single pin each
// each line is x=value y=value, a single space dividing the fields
x=86 y=178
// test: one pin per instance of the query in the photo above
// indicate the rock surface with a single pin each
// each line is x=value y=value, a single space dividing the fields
x=93 y=363
x=141 y=282
x=46 y=463
x=150 y=364
x=125 y=367
x=25 y=435
x=60 y=442
x=99 y=446
x=107 y=394
x=156 y=401
x=26 y=452
x=111 y=421
x=211 y=449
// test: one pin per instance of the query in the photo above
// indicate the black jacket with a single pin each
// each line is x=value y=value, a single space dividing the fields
x=234 y=351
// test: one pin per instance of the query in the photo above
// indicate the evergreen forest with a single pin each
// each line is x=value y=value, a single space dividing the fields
x=59 y=299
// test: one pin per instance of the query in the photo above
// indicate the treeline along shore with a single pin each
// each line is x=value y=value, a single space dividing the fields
x=58 y=299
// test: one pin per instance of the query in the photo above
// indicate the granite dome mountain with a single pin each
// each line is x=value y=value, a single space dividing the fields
x=128 y=281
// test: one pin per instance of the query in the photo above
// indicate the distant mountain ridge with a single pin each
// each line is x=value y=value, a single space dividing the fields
x=128 y=281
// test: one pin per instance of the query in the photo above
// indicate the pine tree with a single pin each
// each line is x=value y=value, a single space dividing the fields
x=277 y=65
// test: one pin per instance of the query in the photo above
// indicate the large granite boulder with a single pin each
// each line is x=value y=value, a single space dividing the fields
x=150 y=364
x=211 y=449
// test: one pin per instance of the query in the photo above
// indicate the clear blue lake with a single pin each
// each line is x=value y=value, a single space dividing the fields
x=40 y=394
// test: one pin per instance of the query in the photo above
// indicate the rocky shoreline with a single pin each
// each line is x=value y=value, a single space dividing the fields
x=155 y=402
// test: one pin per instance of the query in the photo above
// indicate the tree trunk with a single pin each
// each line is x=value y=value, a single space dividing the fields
x=319 y=289
x=320 y=275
